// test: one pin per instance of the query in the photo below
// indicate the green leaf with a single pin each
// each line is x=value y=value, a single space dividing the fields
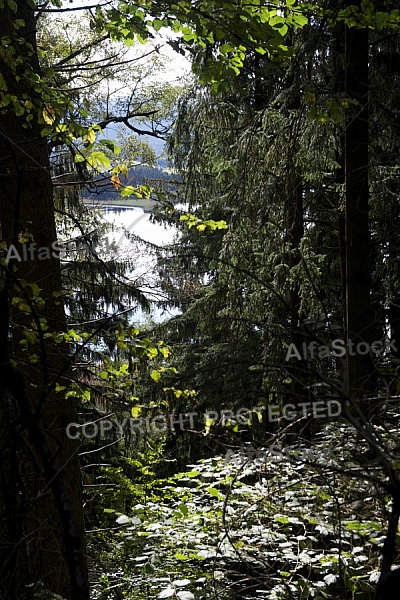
x=48 y=72
x=111 y=146
x=351 y=584
x=276 y=20
x=145 y=191
x=156 y=24
x=215 y=493
x=192 y=474
x=96 y=159
x=149 y=569
x=128 y=190
x=180 y=556
x=281 y=519
x=225 y=48
x=367 y=6
x=184 y=510
x=3 y=85
x=311 y=520
x=283 y=30
x=381 y=19
x=300 y=20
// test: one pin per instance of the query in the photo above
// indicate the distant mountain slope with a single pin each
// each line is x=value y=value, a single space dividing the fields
x=136 y=176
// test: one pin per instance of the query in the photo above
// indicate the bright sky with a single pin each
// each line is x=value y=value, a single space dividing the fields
x=177 y=65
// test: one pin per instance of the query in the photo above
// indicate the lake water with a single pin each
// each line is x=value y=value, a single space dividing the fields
x=136 y=222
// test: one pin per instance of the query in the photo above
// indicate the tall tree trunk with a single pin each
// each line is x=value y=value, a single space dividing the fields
x=294 y=217
x=358 y=317
x=295 y=225
x=338 y=86
x=44 y=537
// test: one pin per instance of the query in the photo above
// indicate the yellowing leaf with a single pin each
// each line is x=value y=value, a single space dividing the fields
x=136 y=411
x=208 y=424
x=123 y=169
x=155 y=375
x=49 y=115
x=91 y=136
x=115 y=180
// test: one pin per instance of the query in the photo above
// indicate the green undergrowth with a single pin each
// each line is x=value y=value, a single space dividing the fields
x=273 y=526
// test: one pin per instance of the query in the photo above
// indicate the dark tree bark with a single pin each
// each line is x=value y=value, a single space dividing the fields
x=295 y=224
x=294 y=217
x=41 y=518
x=358 y=286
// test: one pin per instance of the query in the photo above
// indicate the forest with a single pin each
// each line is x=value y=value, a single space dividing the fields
x=241 y=440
